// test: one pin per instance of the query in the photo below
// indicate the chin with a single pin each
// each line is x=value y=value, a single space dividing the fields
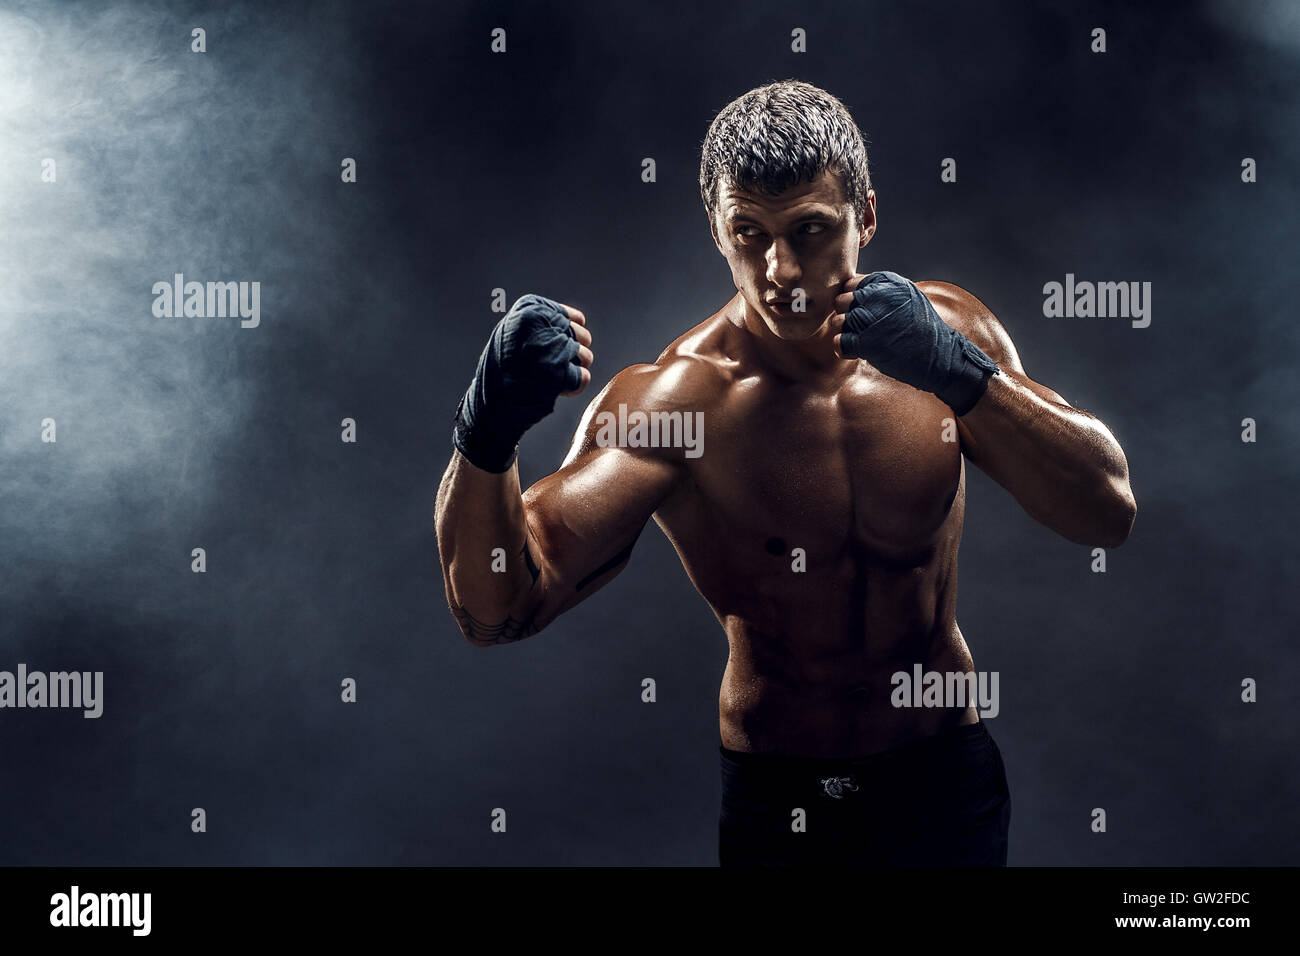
x=787 y=334
x=794 y=330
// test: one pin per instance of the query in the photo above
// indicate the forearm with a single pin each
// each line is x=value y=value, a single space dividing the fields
x=1062 y=465
x=488 y=572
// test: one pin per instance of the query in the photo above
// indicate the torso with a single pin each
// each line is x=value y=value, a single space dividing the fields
x=822 y=524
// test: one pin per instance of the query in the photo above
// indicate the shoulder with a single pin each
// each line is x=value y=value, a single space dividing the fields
x=690 y=375
x=973 y=319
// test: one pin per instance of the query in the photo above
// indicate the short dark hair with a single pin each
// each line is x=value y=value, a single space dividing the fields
x=779 y=135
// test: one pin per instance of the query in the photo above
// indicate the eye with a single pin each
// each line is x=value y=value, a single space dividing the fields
x=814 y=227
x=740 y=231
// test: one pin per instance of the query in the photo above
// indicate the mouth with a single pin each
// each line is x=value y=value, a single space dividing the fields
x=786 y=306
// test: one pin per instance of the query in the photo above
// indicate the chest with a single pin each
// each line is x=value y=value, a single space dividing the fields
x=874 y=466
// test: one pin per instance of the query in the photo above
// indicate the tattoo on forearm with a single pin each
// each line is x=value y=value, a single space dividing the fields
x=480 y=632
x=509 y=630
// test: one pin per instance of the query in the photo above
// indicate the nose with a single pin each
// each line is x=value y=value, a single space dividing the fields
x=783 y=265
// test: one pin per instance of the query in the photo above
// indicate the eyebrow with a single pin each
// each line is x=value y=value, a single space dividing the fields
x=735 y=215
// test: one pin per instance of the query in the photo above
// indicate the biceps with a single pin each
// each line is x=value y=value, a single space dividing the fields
x=1042 y=391
x=584 y=519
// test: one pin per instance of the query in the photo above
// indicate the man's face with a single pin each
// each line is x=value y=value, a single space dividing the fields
x=805 y=238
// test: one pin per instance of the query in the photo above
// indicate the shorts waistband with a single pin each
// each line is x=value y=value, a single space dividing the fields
x=921 y=748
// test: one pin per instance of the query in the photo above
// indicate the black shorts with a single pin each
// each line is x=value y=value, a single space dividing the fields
x=938 y=801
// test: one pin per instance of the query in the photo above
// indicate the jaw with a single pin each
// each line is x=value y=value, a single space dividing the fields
x=787 y=333
x=795 y=330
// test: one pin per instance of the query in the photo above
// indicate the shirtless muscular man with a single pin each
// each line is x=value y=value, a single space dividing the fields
x=838 y=411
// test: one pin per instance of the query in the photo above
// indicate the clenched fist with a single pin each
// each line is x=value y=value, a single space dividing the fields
x=539 y=351
x=889 y=322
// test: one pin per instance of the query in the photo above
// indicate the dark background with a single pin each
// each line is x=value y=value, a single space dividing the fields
x=522 y=171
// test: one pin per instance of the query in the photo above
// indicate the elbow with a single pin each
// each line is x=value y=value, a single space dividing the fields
x=1120 y=510
x=1102 y=520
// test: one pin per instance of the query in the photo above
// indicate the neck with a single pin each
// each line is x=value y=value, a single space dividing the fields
x=807 y=360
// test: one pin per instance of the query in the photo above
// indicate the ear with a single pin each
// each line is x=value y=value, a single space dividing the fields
x=868 y=227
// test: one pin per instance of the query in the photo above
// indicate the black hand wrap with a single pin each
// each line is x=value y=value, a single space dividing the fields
x=530 y=358
x=894 y=327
